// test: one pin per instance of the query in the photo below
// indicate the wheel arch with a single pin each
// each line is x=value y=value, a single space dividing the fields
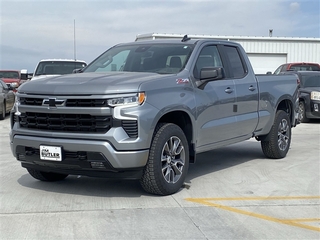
x=289 y=107
x=183 y=120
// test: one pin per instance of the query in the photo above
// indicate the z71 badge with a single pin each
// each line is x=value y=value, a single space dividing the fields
x=182 y=80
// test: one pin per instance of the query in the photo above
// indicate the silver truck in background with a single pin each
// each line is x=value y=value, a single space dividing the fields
x=144 y=110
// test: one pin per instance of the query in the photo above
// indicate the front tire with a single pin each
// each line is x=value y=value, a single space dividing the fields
x=279 y=138
x=46 y=176
x=168 y=162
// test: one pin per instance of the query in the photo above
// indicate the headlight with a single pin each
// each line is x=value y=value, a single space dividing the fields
x=15 y=108
x=14 y=85
x=128 y=99
x=315 y=96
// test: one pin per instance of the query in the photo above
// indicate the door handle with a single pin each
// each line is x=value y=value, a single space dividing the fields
x=252 y=88
x=228 y=90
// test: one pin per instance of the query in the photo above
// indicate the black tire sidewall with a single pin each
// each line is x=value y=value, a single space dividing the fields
x=304 y=118
x=164 y=133
x=279 y=117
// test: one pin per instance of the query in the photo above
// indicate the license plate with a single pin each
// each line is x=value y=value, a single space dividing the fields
x=52 y=153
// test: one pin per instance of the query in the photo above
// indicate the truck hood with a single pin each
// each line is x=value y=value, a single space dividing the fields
x=88 y=83
x=310 y=89
x=44 y=76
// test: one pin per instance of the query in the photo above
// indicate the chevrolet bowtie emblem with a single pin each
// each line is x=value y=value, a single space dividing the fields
x=52 y=102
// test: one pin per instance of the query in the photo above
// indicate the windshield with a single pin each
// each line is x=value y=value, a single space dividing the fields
x=9 y=74
x=57 y=67
x=310 y=81
x=156 y=58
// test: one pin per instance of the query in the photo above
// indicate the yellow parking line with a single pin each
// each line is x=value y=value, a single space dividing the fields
x=260 y=198
x=303 y=220
x=205 y=201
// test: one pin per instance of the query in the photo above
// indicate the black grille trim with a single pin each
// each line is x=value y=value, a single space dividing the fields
x=31 y=101
x=80 y=123
x=69 y=102
x=131 y=127
x=86 y=103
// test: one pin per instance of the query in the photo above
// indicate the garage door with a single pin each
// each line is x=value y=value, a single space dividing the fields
x=266 y=62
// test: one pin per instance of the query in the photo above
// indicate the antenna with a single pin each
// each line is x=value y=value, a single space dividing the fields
x=185 y=38
x=74 y=39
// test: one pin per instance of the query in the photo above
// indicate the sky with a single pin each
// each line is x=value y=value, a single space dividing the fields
x=31 y=30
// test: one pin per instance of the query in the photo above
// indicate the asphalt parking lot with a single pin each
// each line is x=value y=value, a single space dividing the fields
x=230 y=193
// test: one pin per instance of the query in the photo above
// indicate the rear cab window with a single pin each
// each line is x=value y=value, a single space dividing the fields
x=237 y=66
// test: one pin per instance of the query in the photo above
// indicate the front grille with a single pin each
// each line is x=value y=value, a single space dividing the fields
x=131 y=127
x=69 y=102
x=66 y=122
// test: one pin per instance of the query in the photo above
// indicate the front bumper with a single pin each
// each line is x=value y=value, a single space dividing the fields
x=313 y=110
x=85 y=157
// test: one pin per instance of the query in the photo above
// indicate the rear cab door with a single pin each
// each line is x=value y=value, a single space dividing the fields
x=245 y=108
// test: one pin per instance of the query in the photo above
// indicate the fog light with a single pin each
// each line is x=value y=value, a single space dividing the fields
x=316 y=107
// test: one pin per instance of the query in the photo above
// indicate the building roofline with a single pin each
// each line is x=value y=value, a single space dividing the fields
x=232 y=38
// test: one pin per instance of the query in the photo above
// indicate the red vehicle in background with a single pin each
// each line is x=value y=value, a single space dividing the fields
x=298 y=66
x=10 y=77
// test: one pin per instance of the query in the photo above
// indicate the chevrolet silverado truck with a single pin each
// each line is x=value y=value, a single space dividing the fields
x=144 y=110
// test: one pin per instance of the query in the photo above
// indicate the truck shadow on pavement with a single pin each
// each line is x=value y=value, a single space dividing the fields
x=225 y=157
x=207 y=163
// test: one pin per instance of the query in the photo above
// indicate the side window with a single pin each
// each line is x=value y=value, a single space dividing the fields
x=277 y=71
x=237 y=67
x=208 y=57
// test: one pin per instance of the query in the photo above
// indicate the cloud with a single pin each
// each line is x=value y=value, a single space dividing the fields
x=294 y=7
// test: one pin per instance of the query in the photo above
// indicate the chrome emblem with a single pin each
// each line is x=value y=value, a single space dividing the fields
x=53 y=102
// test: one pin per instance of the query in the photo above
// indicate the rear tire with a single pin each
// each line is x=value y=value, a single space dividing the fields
x=46 y=176
x=168 y=161
x=302 y=113
x=279 y=138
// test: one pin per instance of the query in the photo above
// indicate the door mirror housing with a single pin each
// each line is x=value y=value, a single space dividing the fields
x=208 y=74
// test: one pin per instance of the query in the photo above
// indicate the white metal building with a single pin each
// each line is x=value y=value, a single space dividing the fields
x=265 y=53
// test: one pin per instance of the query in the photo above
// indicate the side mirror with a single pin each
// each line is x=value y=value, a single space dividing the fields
x=24 y=74
x=208 y=74
x=78 y=70
x=269 y=73
x=211 y=73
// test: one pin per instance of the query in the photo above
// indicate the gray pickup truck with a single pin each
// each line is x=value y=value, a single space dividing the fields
x=144 y=110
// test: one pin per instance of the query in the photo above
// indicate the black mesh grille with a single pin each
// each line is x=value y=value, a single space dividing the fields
x=31 y=101
x=131 y=128
x=66 y=122
x=86 y=103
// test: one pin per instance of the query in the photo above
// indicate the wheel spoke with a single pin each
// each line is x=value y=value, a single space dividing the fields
x=283 y=137
x=177 y=166
x=172 y=158
x=166 y=172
